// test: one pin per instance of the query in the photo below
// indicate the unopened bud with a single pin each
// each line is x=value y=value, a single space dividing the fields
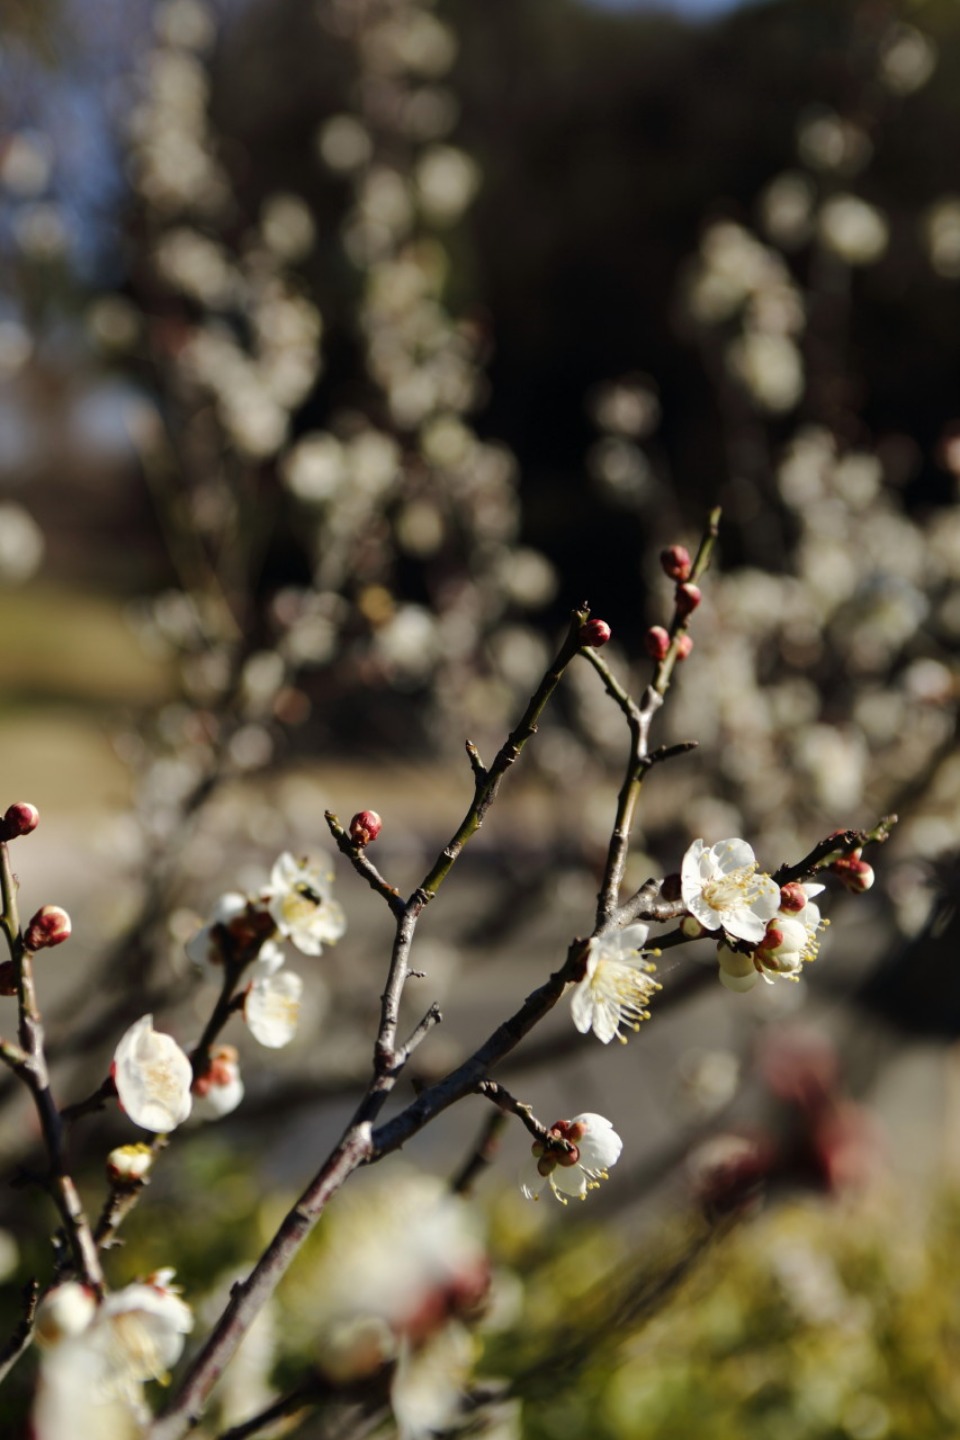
x=594 y=632
x=793 y=898
x=64 y=1312
x=675 y=562
x=657 y=642
x=772 y=939
x=855 y=874
x=19 y=819
x=687 y=599
x=129 y=1164
x=50 y=926
x=691 y=927
x=671 y=886
x=365 y=826
x=684 y=646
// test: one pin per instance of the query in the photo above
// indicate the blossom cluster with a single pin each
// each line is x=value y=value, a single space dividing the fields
x=157 y=1084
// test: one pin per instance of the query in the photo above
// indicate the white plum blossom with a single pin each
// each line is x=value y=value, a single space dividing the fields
x=788 y=943
x=723 y=890
x=596 y=1146
x=401 y=1262
x=98 y=1358
x=616 y=985
x=219 y=1090
x=272 y=1008
x=153 y=1077
x=300 y=903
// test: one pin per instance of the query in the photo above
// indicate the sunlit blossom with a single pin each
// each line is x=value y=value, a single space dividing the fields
x=616 y=985
x=596 y=1146
x=153 y=1077
x=300 y=902
x=723 y=889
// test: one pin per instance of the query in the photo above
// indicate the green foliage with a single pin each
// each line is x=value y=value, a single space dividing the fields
x=811 y=1323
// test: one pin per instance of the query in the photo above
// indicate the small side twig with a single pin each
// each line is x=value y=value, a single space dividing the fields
x=357 y=856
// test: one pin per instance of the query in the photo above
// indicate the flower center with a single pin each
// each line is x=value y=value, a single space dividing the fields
x=735 y=889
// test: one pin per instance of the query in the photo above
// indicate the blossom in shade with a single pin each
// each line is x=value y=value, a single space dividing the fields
x=220 y=1088
x=272 y=1008
x=595 y=1146
x=722 y=888
x=616 y=985
x=153 y=1077
x=301 y=905
x=737 y=971
x=205 y=948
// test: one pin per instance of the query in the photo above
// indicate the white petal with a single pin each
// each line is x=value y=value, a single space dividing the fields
x=272 y=1008
x=153 y=1077
x=733 y=854
x=569 y=1180
x=600 y=1147
x=582 y=1008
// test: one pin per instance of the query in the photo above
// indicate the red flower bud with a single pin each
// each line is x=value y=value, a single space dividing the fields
x=19 y=819
x=772 y=938
x=594 y=632
x=684 y=646
x=675 y=562
x=687 y=599
x=657 y=642
x=365 y=826
x=50 y=926
x=855 y=874
x=793 y=898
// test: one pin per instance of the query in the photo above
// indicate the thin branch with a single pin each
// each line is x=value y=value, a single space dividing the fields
x=835 y=847
x=33 y=1072
x=500 y=1096
x=639 y=719
x=367 y=871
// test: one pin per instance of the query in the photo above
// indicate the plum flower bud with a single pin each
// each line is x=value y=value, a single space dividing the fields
x=19 y=819
x=153 y=1077
x=65 y=1311
x=657 y=642
x=684 y=646
x=793 y=898
x=675 y=562
x=855 y=874
x=50 y=926
x=687 y=598
x=129 y=1164
x=594 y=632
x=219 y=1089
x=365 y=827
